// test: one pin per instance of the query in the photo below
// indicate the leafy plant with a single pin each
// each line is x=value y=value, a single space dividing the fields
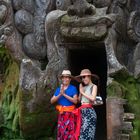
x=4 y=59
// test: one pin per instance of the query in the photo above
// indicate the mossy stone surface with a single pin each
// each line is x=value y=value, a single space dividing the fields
x=128 y=87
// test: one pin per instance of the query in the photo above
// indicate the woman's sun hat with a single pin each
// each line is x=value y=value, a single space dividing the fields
x=86 y=72
x=66 y=73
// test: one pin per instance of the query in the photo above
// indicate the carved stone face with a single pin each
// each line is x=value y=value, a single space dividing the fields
x=42 y=28
x=64 y=4
x=84 y=21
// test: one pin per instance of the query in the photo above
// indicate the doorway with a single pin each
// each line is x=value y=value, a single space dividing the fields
x=93 y=58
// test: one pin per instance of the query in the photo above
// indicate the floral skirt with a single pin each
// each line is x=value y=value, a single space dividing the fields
x=66 y=126
x=88 y=124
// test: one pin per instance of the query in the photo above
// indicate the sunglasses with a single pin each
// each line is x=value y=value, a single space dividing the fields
x=83 y=77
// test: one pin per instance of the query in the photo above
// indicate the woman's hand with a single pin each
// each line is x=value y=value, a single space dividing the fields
x=62 y=89
x=55 y=98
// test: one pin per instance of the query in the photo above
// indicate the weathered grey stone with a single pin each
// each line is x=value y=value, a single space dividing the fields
x=28 y=5
x=57 y=57
x=17 y=4
x=115 y=112
x=29 y=75
x=81 y=8
x=86 y=33
x=36 y=112
x=9 y=34
x=3 y=13
x=43 y=7
x=46 y=34
x=101 y=3
x=129 y=116
x=127 y=126
x=110 y=43
x=33 y=49
x=15 y=46
x=39 y=29
x=24 y=21
x=134 y=26
x=92 y=27
x=125 y=137
x=24 y=4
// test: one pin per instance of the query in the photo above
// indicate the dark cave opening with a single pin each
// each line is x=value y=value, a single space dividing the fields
x=93 y=58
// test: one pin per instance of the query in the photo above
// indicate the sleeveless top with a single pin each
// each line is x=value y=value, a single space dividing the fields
x=87 y=90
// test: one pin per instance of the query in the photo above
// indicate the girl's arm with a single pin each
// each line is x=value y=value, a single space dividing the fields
x=79 y=97
x=91 y=97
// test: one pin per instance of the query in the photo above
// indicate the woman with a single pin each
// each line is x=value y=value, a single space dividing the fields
x=66 y=96
x=87 y=96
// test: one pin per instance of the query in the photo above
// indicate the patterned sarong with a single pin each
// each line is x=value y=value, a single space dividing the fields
x=66 y=126
x=88 y=124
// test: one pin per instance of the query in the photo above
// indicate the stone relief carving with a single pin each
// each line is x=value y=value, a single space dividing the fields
x=133 y=26
x=39 y=30
x=30 y=27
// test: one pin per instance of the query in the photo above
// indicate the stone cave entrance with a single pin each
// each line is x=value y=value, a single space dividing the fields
x=94 y=58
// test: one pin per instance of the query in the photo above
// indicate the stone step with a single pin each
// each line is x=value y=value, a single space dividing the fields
x=127 y=127
x=129 y=116
x=125 y=136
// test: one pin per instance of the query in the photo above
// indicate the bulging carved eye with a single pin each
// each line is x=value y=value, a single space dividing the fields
x=58 y=3
x=63 y=4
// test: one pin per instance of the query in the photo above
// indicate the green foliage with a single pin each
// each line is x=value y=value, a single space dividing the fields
x=127 y=87
x=11 y=117
x=4 y=59
x=10 y=104
x=116 y=89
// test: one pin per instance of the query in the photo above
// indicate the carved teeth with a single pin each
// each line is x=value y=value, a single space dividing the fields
x=26 y=60
x=92 y=32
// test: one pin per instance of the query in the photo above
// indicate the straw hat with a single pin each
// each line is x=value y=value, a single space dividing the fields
x=66 y=73
x=86 y=72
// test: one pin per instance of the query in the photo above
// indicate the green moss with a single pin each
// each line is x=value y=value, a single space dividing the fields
x=4 y=59
x=116 y=89
x=37 y=118
x=136 y=133
x=127 y=87
x=16 y=121
x=10 y=103
x=65 y=19
x=31 y=121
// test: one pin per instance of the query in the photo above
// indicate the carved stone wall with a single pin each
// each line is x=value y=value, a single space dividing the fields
x=40 y=33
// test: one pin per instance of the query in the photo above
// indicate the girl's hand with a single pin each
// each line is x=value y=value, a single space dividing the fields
x=81 y=89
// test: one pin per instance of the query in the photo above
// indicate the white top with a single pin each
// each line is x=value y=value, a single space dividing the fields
x=88 y=91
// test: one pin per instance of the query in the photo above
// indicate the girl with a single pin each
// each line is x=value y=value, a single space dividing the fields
x=87 y=96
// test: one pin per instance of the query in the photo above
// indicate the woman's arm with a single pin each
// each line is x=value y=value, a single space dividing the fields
x=79 y=97
x=55 y=98
x=91 y=97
